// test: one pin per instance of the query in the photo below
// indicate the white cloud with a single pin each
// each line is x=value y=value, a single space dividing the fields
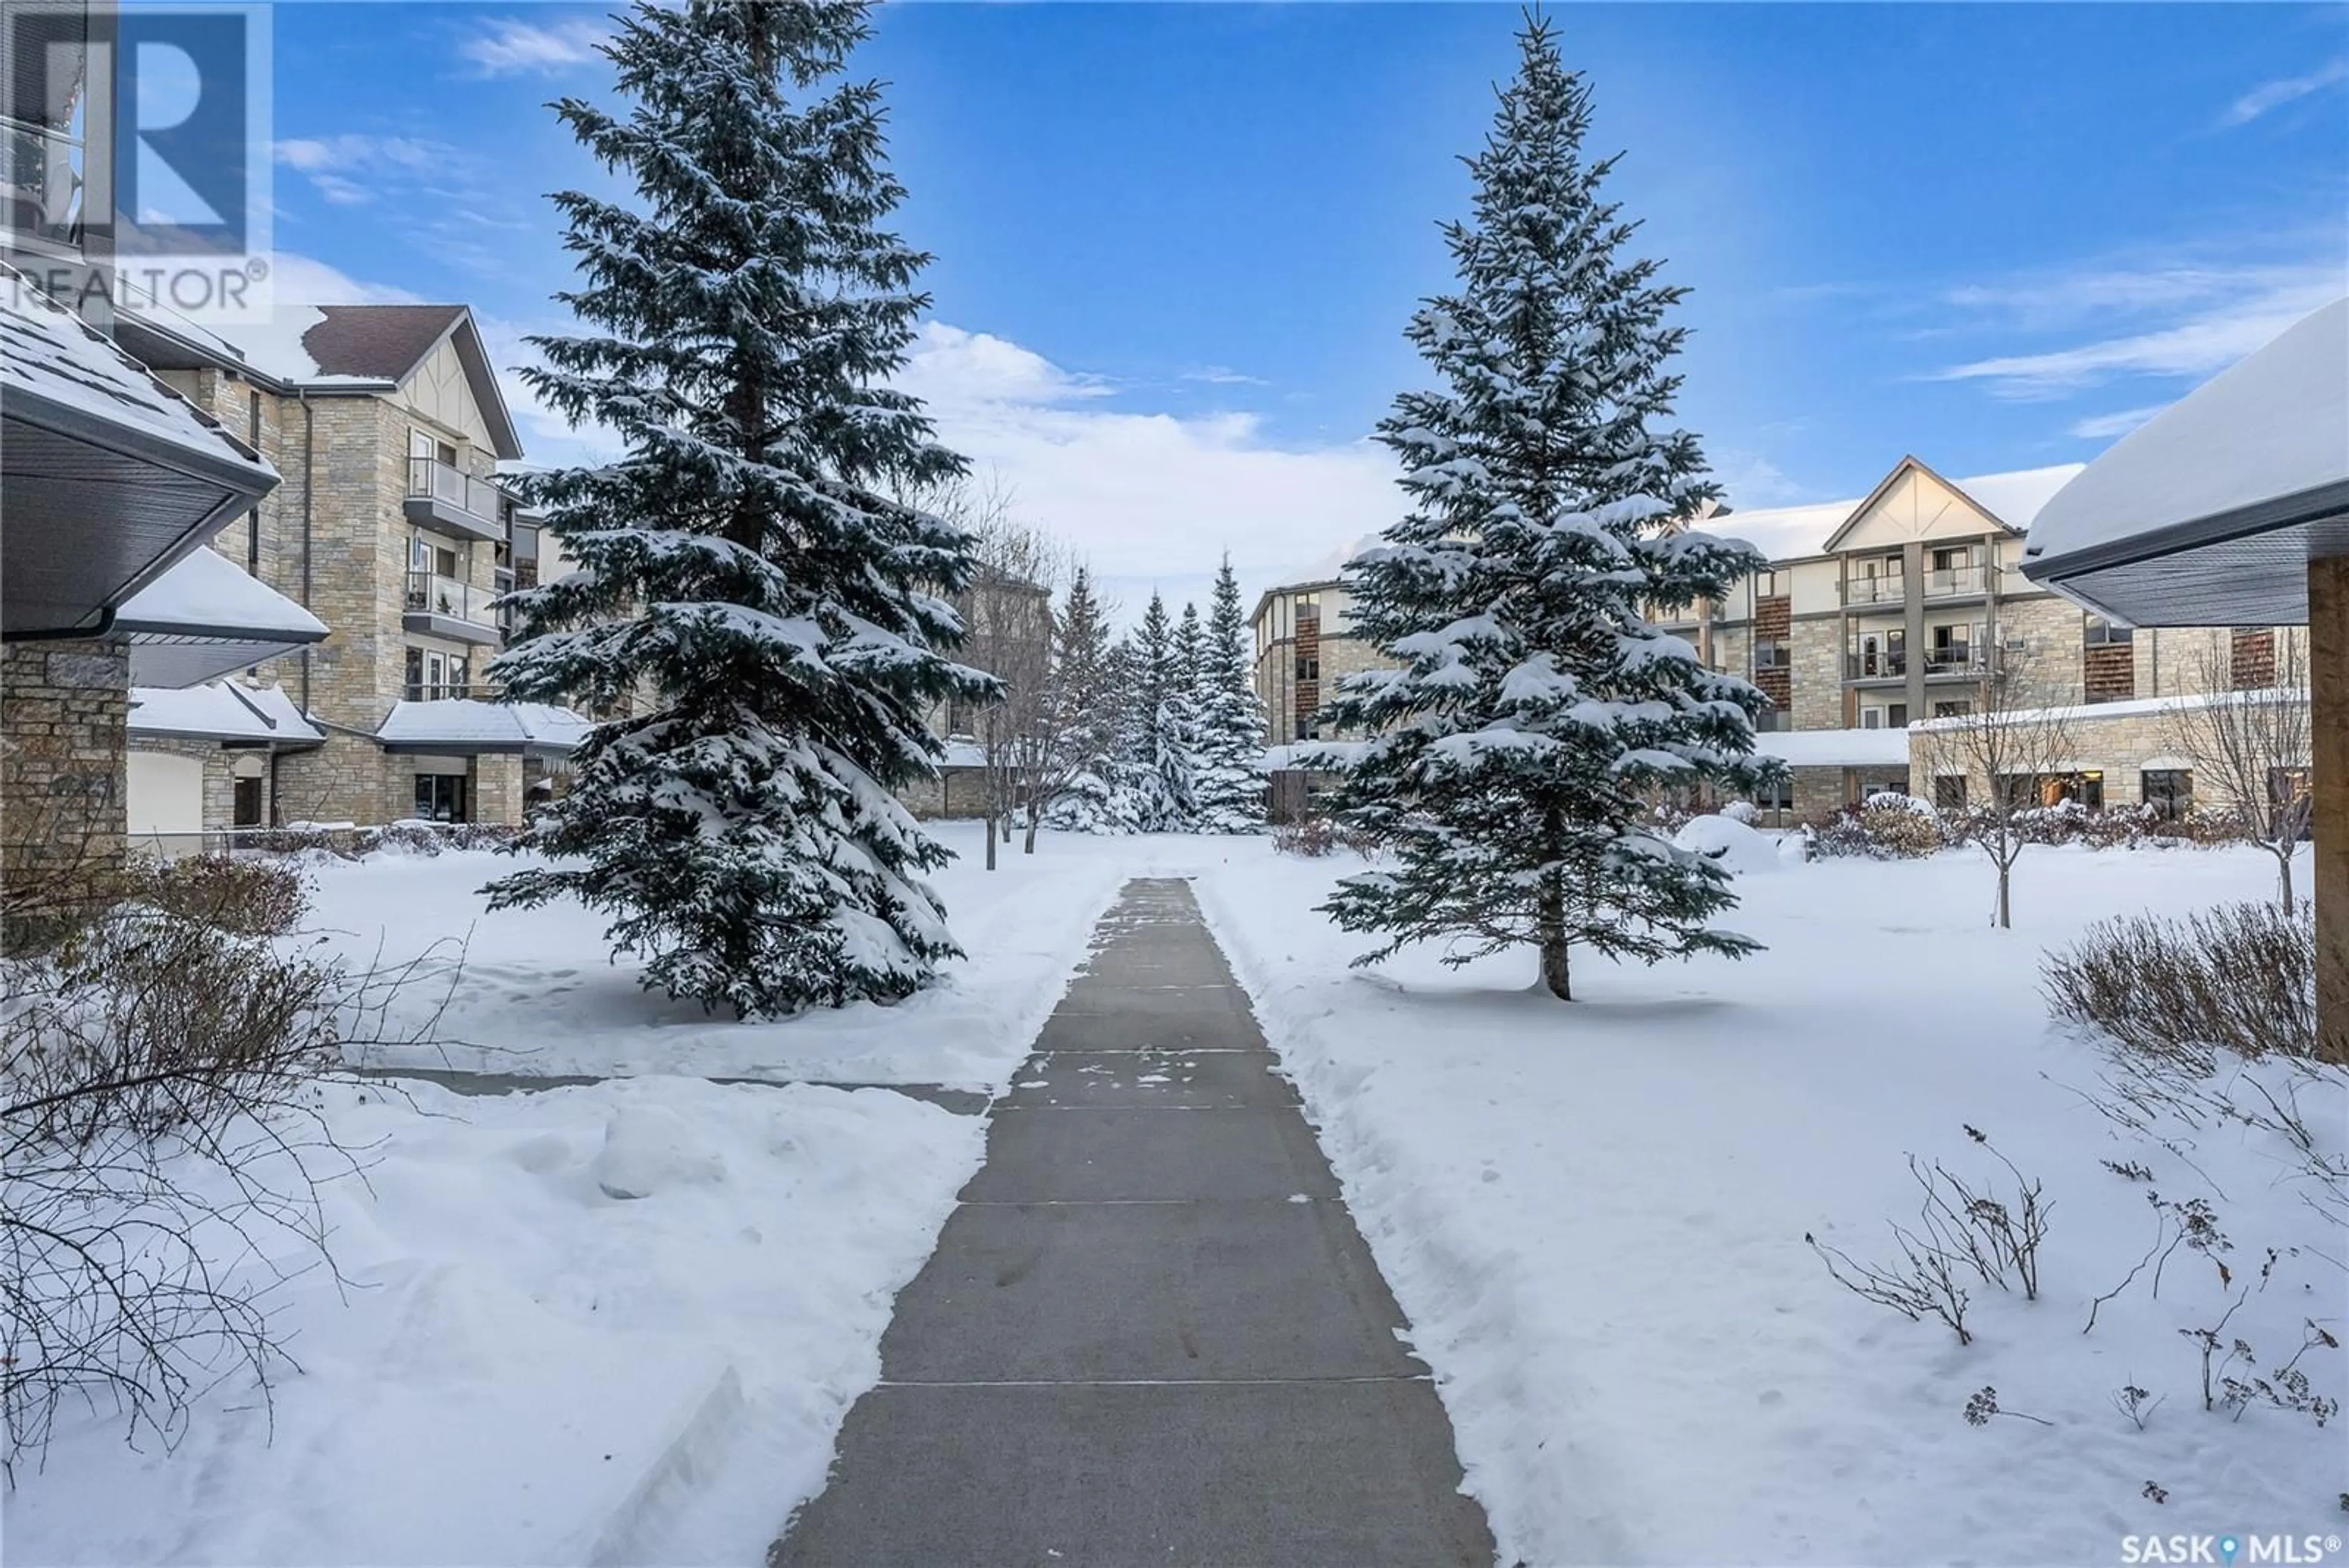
x=507 y=45
x=352 y=169
x=297 y=279
x=1147 y=496
x=2108 y=427
x=2267 y=96
x=2173 y=321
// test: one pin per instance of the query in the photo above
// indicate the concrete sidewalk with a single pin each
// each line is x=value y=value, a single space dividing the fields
x=1151 y=1333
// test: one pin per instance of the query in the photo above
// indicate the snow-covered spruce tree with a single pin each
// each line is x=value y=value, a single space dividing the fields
x=770 y=625
x=1084 y=697
x=1535 y=705
x=1178 y=724
x=1156 y=778
x=1227 y=781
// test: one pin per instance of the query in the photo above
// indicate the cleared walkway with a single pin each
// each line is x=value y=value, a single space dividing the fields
x=1151 y=1333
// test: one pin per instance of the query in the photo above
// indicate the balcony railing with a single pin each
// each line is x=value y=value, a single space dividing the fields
x=1957 y=660
x=443 y=495
x=448 y=690
x=1877 y=590
x=429 y=593
x=40 y=181
x=1958 y=582
x=1880 y=665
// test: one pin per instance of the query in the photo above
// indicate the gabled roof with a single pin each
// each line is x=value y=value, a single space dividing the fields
x=224 y=710
x=2011 y=501
x=1909 y=464
x=334 y=349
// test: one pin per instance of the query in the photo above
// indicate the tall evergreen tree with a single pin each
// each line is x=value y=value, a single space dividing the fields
x=1085 y=722
x=1178 y=727
x=1155 y=773
x=1228 y=738
x=770 y=623
x=1535 y=704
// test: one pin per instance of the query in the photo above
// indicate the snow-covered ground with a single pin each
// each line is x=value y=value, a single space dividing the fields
x=535 y=991
x=1594 y=1217
x=524 y=1368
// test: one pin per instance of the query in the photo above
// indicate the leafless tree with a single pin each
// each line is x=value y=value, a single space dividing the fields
x=1006 y=612
x=2015 y=739
x=2249 y=750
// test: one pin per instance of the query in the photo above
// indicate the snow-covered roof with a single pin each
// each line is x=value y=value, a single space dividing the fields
x=1835 y=748
x=210 y=592
x=224 y=710
x=48 y=355
x=1790 y=533
x=2260 y=449
x=206 y=616
x=462 y=724
x=962 y=752
x=2133 y=708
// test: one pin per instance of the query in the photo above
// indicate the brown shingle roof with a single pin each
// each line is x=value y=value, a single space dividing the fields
x=385 y=342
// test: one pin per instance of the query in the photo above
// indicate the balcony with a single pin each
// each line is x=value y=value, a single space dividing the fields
x=1889 y=589
x=447 y=500
x=452 y=691
x=1957 y=662
x=41 y=184
x=1887 y=664
x=1960 y=582
x=444 y=607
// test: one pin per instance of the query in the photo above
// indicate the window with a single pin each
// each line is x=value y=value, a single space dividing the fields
x=1956 y=708
x=1306 y=732
x=1774 y=718
x=1778 y=794
x=1309 y=668
x=432 y=676
x=246 y=810
x=1895 y=715
x=1952 y=557
x=440 y=797
x=1766 y=585
x=1769 y=653
x=2101 y=633
x=1871 y=718
x=2088 y=789
x=1949 y=792
x=2167 y=793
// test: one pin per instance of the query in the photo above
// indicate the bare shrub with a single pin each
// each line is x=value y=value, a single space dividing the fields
x=1923 y=1285
x=1900 y=828
x=2239 y=978
x=1318 y=836
x=249 y=896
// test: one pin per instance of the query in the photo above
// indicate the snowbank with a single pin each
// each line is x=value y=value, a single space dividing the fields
x=1739 y=848
x=1594 y=1217
x=526 y=1370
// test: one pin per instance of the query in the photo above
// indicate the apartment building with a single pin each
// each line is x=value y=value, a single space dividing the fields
x=388 y=427
x=1875 y=614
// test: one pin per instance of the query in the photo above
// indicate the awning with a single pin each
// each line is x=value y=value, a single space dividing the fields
x=463 y=727
x=205 y=618
x=249 y=715
x=2209 y=513
x=107 y=476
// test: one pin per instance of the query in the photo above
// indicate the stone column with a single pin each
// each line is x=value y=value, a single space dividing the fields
x=497 y=790
x=2328 y=664
x=64 y=712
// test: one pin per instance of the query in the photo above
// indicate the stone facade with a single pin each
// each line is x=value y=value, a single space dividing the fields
x=1816 y=674
x=64 y=707
x=335 y=537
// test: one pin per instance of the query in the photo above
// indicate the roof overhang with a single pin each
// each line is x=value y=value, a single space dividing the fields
x=468 y=727
x=2209 y=513
x=107 y=477
x=206 y=618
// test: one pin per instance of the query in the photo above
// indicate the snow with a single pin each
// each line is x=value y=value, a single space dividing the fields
x=462 y=721
x=210 y=592
x=1739 y=848
x=1593 y=1217
x=229 y=710
x=535 y=995
x=1835 y=748
x=2131 y=707
x=622 y=1321
x=46 y=352
x=523 y=1369
x=2269 y=426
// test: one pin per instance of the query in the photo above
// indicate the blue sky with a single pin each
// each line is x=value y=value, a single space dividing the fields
x=1176 y=244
